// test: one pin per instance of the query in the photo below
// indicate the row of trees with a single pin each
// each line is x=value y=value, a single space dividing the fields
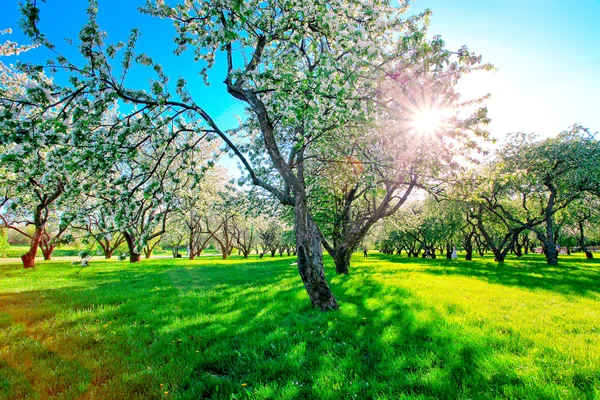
x=532 y=192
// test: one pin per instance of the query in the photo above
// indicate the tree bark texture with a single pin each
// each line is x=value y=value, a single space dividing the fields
x=341 y=258
x=310 y=259
x=29 y=257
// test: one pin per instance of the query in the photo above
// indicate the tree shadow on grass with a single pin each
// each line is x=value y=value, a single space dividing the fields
x=573 y=277
x=195 y=330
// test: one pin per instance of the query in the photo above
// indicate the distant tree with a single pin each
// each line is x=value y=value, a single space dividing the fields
x=582 y=214
x=175 y=236
x=532 y=180
x=99 y=225
x=270 y=237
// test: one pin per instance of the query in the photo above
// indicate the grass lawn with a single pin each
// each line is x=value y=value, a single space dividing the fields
x=407 y=328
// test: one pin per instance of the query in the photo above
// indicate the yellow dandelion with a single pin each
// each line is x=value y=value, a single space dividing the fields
x=244 y=384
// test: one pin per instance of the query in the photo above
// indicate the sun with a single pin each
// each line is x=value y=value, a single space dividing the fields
x=427 y=121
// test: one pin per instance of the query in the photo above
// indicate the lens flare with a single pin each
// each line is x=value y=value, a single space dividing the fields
x=427 y=121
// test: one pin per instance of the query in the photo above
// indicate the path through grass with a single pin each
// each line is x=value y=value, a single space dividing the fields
x=212 y=329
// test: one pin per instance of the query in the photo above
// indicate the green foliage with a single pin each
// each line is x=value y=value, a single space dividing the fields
x=4 y=245
x=213 y=329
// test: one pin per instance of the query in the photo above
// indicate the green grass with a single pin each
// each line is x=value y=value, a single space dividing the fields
x=407 y=328
x=17 y=250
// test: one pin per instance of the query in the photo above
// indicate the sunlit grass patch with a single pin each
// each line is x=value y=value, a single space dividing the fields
x=211 y=328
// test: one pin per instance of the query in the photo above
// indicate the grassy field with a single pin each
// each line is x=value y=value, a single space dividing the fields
x=244 y=329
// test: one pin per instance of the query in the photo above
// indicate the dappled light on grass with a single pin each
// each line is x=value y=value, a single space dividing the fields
x=212 y=328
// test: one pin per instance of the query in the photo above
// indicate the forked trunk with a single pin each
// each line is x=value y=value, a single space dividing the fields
x=29 y=257
x=47 y=252
x=310 y=259
x=499 y=256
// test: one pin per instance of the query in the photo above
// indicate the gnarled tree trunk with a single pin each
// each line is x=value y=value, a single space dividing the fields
x=341 y=258
x=310 y=258
x=29 y=257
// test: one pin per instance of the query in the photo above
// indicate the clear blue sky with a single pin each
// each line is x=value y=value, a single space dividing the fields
x=547 y=53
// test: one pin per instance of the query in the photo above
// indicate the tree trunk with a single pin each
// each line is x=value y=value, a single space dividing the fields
x=549 y=239
x=518 y=250
x=108 y=254
x=224 y=252
x=551 y=254
x=549 y=247
x=588 y=254
x=29 y=257
x=310 y=258
x=191 y=250
x=46 y=245
x=549 y=244
x=47 y=252
x=499 y=256
x=133 y=255
x=468 y=245
x=341 y=258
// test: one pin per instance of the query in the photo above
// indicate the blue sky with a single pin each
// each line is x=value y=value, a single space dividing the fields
x=547 y=53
